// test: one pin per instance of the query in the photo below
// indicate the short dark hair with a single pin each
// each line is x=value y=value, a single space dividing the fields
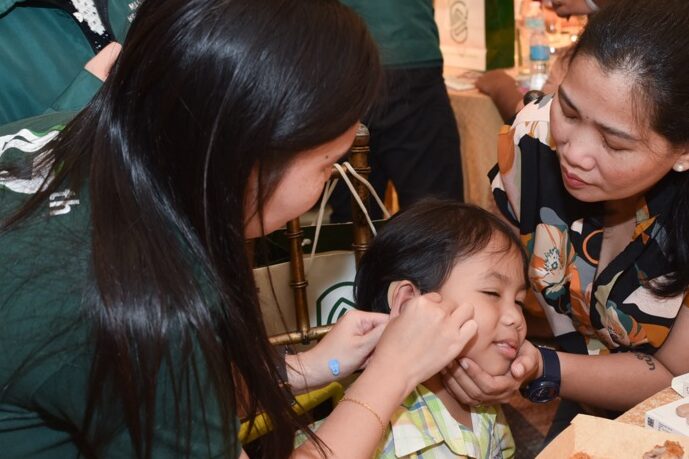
x=648 y=40
x=422 y=244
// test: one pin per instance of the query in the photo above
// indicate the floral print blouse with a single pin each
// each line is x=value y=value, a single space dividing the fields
x=562 y=236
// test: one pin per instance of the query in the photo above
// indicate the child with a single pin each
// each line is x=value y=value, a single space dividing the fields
x=470 y=256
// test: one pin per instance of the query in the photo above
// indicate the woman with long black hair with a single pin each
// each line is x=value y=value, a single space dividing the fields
x=130 y=321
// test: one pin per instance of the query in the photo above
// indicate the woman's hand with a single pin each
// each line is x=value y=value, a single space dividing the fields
x=473 y=386
x=566 y=8
x=350 y=342
x=417 y=342
x=502 y=89
x=101 y=63
x=427 y=334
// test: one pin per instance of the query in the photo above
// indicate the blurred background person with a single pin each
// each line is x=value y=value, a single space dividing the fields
x=504 y=90
x=414 y=137
x=54 y=54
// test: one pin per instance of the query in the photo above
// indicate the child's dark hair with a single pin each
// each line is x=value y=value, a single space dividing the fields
x=422 y=244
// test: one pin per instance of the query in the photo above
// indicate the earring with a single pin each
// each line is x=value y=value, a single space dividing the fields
x=679 y=167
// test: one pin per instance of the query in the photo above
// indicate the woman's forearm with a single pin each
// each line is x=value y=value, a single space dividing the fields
x=307 y=371
x=296 y=374
x=615 y=381
x=354 y=429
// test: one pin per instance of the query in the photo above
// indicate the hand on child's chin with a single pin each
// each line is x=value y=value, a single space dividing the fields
x=491 y=363
x=472 y=385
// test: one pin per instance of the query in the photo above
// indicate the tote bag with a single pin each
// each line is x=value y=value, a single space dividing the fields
x=476 y=34
x=330 y=269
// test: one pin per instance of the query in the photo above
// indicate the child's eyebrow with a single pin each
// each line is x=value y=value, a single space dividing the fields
x=500 y=277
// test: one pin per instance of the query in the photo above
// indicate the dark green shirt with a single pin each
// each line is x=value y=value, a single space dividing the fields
x=42 y=56
x=405 y=31
x=45 y=351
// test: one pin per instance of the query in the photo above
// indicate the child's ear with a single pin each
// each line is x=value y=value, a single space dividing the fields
x=399 y=292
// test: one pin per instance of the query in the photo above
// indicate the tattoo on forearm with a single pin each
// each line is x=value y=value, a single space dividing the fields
x=646 y=358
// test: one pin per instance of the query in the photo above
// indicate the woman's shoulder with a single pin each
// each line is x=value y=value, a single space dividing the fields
x=526 y=163
x=45 y=257
x=533 y=121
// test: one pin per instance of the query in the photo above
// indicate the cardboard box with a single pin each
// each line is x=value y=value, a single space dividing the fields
x=605 y=439
x=681 y=384
x=665 y=418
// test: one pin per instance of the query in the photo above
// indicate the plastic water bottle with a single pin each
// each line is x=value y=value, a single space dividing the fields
x=532 y=21
x=539 y=55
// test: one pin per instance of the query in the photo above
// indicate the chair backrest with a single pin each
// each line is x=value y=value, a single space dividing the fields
x=304 y=333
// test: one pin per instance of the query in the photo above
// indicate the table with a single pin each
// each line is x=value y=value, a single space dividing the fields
x=479 y=123
x=637 y=414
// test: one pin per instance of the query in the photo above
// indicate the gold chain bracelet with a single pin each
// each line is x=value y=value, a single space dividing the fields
x=368 y=407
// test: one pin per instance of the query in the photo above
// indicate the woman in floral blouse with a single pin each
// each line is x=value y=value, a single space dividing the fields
x=595 y=179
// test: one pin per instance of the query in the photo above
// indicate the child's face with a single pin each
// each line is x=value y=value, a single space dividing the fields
x=493 y=282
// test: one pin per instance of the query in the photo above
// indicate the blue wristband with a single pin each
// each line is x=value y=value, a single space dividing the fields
x=334 y=366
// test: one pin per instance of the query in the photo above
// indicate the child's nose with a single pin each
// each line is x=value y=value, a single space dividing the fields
x=512 y=316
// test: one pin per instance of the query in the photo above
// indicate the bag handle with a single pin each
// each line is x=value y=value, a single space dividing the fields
x=327 y=192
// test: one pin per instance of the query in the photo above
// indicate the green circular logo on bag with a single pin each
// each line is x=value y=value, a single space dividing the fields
x=334 y=302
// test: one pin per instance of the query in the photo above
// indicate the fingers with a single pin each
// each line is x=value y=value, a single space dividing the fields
x=450 y=377
x=517 y=369
x=467 y=331
x=367 y=321
x=483 y=380
x=100 y=64
x=433 y=296
x=527 y=362
x=471 y=385
x=493 y=81
x=522 y=366
x=566 y=8
x=466 y=389
x=363 y=322
x=375 y=319
x=373 y=336
x=490 y=388
x=462 y=318
x=463 y=313
x=469 y=382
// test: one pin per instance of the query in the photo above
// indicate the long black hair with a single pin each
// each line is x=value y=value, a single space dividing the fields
x=203 y=93
x=648 y=40
x=422 y=244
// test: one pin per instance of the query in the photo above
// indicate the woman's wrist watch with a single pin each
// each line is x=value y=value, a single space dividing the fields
x=547 y=387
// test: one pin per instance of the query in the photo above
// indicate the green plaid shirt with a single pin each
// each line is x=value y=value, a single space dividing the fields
x=423 y=428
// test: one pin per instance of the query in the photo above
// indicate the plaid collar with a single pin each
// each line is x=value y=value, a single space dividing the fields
x=425 y=422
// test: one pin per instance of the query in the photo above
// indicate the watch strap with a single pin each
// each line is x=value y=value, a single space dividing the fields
x=547 y=387
x=551 y=365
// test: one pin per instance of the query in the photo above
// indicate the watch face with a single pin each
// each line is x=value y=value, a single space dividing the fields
x=544 y=391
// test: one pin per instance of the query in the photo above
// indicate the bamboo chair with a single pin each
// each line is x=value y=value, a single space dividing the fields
x=304 y=333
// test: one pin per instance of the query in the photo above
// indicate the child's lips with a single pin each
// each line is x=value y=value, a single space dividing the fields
x=507 y=348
